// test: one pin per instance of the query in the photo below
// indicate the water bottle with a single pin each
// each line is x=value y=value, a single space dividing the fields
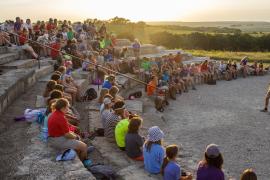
x=44 y=130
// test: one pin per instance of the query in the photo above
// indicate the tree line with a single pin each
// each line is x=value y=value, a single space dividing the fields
x=206 y=41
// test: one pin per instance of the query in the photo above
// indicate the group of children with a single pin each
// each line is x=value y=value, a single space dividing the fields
x=120 y=126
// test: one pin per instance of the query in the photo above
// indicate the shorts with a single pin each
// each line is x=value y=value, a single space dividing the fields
x=62 y=143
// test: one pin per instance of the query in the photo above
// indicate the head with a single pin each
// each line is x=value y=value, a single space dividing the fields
x=213 y=157
x=107 y=103
x=111 y=78
x=248 y=174
x=62 y=105
x=134 y=125
x=51 y=85
x=119 y=107
x=171 y=154
x=55 y=77
x=55 y=94
x=59 y=87
x=113 y=91
x=62 y=69
x=155 y=136
x=103 y=92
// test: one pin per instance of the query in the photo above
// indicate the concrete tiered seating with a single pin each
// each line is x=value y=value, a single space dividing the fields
x=18 y=75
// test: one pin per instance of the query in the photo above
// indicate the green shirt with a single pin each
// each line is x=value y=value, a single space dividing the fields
x=120 y=131
x=70 y=35
x=145 y=65
x=102 y=44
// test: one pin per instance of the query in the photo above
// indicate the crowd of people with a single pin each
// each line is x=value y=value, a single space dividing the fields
x=84 y=45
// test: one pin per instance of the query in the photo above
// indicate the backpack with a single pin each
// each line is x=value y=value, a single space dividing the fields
x=101 y=171
x=90 y=94
x=137 y=94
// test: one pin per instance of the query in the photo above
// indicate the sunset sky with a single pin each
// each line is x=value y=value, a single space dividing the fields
x=135 y=10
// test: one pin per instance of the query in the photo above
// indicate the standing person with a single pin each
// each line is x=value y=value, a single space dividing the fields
x=70 y=34
x=170 y=169
x=211 y=166
x=153 y=152
x=60 y=137
x=266 y=101
x=248 y=174
x=244 y=66
x=136 y=48
x=133 y=140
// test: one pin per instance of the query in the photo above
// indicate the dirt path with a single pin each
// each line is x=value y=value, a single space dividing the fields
x=226 y=114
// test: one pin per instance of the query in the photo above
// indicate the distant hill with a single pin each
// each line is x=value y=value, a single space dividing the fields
x=244 y=26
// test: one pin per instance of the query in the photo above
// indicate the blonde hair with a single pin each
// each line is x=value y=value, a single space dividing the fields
x=113 y=91
x=103 y=92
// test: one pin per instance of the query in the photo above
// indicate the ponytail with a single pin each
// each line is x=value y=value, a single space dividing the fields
x=164 y=164
x=171 y=153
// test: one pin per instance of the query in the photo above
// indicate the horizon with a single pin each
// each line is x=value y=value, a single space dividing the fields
x=169 y=11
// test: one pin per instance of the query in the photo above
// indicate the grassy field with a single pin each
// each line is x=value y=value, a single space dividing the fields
x=235 y=56
x=143 y=33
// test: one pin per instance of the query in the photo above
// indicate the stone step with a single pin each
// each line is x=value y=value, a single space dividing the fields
x=28 y=63
x=15 y=82
x=3 y=50
x=8 y=57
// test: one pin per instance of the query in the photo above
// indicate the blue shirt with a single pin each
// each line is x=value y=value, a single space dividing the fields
x=108 y=58
x=165 y=77
x=107 y=85
x=172 y=171
x=153 y=160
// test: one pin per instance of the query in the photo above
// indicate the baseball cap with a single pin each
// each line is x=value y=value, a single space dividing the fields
x=212 y=151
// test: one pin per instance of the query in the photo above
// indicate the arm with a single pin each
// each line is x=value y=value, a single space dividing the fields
x=70 y=135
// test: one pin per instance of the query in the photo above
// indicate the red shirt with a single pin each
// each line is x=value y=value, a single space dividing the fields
x=36 y=28
x=57 y=124
x=22 y=39
x=50 y=26
x=55 y=53
x=204 y=67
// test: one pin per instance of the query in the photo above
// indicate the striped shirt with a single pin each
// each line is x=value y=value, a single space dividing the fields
x=109 y=121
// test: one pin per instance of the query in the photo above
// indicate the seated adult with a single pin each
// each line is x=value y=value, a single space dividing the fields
x=153 y=152
x=111 y=118
x=133 y=140
x=211 y=166
x=171 y=170
x=23 y=40
x=59 y=135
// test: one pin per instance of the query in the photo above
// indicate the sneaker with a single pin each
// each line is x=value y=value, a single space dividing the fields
x=194 y=88
x=263 y=110
x=87 y=162
x=90 y=149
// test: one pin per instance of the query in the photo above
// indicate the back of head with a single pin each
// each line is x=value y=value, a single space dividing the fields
x=171 y=153
x=134 y=124
x=61 y=103
x=55 y=77
x=248 y=174
x=213 y=157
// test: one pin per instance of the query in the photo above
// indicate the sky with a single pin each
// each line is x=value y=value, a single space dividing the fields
x=138 y=10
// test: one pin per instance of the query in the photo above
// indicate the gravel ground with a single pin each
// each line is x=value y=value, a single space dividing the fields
x=226 y=114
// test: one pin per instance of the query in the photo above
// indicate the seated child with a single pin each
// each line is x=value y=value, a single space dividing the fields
x=133 y=140
x=153 y=152
x=171 y=170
